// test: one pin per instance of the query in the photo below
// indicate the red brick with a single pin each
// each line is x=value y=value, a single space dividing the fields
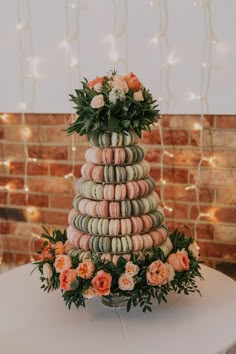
x=79 y=153
x=226 y=196
x=16 y=258
x=225 y=233
x=216 y=214
x=3 y=196
x=45 y=119
x=16 y=243
x=34 y=199
x=48 y=152
x=60 y=170
x=226 y=122
x=179 y=193
x=2 y=133
x=214 y=138
x=25 y=229
x=171 y=175
x=55 y=217
x=215 y=177
x=12 y=182
x=4 y=227
x=11 y=118
x=13 y=152
x=49 y=185
x=153 y=155
x=61 y=202
x=36 y=134
x=57 y=134
x=217 y=250
x=34 y=168
x=179 y=211
x=203 y=231
x=185 y=121
x=153 y=138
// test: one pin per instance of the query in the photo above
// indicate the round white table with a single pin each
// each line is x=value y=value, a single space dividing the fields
x=33 y=322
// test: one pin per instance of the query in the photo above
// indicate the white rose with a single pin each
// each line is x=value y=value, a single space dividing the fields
x=116 y=93
x=97 y=101
x=138 y=96
x=194 y=249
x=90 y=293
x=98 y=87
x=47 y=271
x=126 y=282
x=131 y=269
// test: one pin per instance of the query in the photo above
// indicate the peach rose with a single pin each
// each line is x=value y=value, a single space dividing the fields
x=133 y=82
x=179 y=261
x=46 y=253
x=98 y=80
x=97 y=101
x=89 y=293
x=156 y=273
x=102 y=283
x=170 y=272
x=126 y=282
x=62 y=262
x=86 y=269
x=138 y=96
x=131 y=269
x=98 y=88
x=47 y=271
x=119 y=82
x=67 y=277
x=59 y=248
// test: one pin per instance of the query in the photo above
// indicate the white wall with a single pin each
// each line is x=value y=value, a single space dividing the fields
x=186 y=36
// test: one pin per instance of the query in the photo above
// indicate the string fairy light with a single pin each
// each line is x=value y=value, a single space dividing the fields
x=206 y=63
x=71 y=43
x=167 y=60
x=119 y=32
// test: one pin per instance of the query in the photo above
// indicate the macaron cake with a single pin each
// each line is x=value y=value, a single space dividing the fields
x=116 y=211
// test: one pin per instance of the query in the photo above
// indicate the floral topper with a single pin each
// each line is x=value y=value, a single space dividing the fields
x=114 y=103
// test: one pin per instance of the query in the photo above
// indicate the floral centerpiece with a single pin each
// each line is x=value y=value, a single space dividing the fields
x=83 y=261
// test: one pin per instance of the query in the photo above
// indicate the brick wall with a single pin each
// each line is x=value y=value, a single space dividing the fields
x=51 y=194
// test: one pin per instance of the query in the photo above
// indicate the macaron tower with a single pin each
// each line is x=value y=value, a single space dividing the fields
x=116 y=210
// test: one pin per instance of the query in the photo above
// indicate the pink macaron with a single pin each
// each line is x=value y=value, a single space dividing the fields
x=132 y=189
x=102 y=209
x=137 y=243
x=84 y=242
x=156 y=238
x=98 y=173
x=119 y=156
x=126 y=226
x=147 y=222
x=107 y=156
x=143 y=187
x=74 y=236
x=120 y=192
x=87 y=170
x=83 y=205
x=163 y=232
x=109 y=191
x=114 y=210
x=71 y=215
x=95 y=155
x=147 y=241
x=137 y=224
x=114 y=227
x=91 y=208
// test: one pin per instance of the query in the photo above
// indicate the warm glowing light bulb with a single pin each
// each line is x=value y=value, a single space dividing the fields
x=172 y=59
x=73 y=148
x=197 y=126
x=26 y=189
x=19 y=26
x=69 y=175
x=74 y=62
x=162 y=181
x=167 y=153
x=26 y=133
x=193 y=186
x=23 y=105
x=4 y=117
x=168 y=208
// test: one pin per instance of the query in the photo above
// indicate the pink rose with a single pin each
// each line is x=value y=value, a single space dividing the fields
x=102 y=283
x=97 y=101
x=59 y=248
x=179 y=261
x=66 y=278
x=62 y=262
x=126 y=282
x=89 y=293
x=86 y=269
x=156 y=273
x=138 y=96
x=131 y=269
x=47 y=271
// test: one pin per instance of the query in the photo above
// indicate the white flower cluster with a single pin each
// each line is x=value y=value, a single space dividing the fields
x=115 y=94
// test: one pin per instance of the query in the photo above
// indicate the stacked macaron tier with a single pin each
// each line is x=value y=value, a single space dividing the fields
x=116 y=210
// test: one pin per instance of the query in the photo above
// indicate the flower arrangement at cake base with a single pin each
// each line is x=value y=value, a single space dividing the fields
x=134 y=280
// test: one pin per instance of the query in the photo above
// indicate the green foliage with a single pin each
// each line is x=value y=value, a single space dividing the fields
x=116 y=116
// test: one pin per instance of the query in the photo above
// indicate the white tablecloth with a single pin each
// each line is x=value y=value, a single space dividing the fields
x=33 y=322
